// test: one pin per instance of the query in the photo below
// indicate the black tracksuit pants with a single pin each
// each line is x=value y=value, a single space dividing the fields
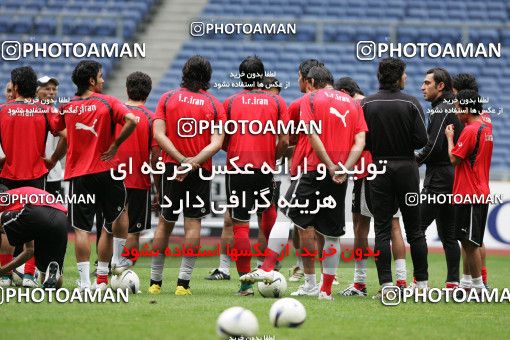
x=400 y=181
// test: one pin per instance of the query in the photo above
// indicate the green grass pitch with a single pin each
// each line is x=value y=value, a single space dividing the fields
x=167 y=316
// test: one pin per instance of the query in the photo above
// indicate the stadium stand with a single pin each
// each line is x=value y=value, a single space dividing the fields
x=68 y=21
x=322 y=34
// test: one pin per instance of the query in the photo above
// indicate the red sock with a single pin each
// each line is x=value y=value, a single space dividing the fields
x=327 y=283
x=30 y=266
x=414 y=280
x=4 y=259
x=269 y=261
x=360 y=285
x=242 y=243
x=451 y=285
x=102 y=278
x=268 y=220
x=484 y=275
x=401 y=283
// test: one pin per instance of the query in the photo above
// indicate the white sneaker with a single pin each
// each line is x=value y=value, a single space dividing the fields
x=29 y=281
x=102 y=286
x=258 y=275
x=325 y=296
x=352 y=291
x=305 y=290
x=82 y=286
x=296 y=274
x=5 y=281
x=52 y=275
x=121 y=266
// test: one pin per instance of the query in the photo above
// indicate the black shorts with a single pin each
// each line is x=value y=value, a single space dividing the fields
x=248 y=188
x=139 y=209
x=470 y=222
x=46 y=226
x=327 y=221
x=110 y=199
x=39 y=183
x=178 y=193
x=356 y=196
x=276 y=192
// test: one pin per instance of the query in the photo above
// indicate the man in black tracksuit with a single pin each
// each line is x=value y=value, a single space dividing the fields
x=395 y=129
x=436 y=88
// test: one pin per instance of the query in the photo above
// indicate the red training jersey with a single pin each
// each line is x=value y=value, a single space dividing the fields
x=341 y=118
x=474 y=147
x=137 y=147
x=21 y=196
x=254 y=106
x=23 y=130
x=183 y=110
x=90 y=124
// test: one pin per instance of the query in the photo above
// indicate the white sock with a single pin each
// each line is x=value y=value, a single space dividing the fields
x=466 y=281
x=118 y=248
x=330 y=263
x=360 y=271
x=400 y=269
x=187 y=265
x=102 y=268
x=278 y=237
x=157 y=265
x=478 y=283
x=299 y=262
x=224 y=264
x=310 y=280
x=84 y=271
x=259 y=262
x=422 y=284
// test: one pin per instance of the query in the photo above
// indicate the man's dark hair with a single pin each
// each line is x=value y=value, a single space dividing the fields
x=253 y=67
x=26 y=80
x=349 y=85
x=471 y=100
x=272 y=82
x=389 y=73
x=82 y=73
x=3 y=188
x=306 y=65
x=196 y=74
x=321 y=77
x=465 y=81
x=441 y=75
x=139 y=86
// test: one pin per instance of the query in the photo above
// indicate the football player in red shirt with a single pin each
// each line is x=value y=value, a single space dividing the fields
x=30 y=219
x=305 y=266
x=179 y=114
x=471 y=157
x=89 y=119
x=139 y=148
x=25 y=163
x=466 y=81
x=253 y=104
x=341 y=117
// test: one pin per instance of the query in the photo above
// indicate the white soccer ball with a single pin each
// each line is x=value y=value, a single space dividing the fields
x=127 y=280
x=287 y=312
x=275 y=289
x=236 y=322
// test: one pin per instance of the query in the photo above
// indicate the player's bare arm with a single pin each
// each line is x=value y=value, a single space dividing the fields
x=60 y=150
x=165 y=142
x=27 y=253
x=282 y=146
x=127 y=129
x=449 y=132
